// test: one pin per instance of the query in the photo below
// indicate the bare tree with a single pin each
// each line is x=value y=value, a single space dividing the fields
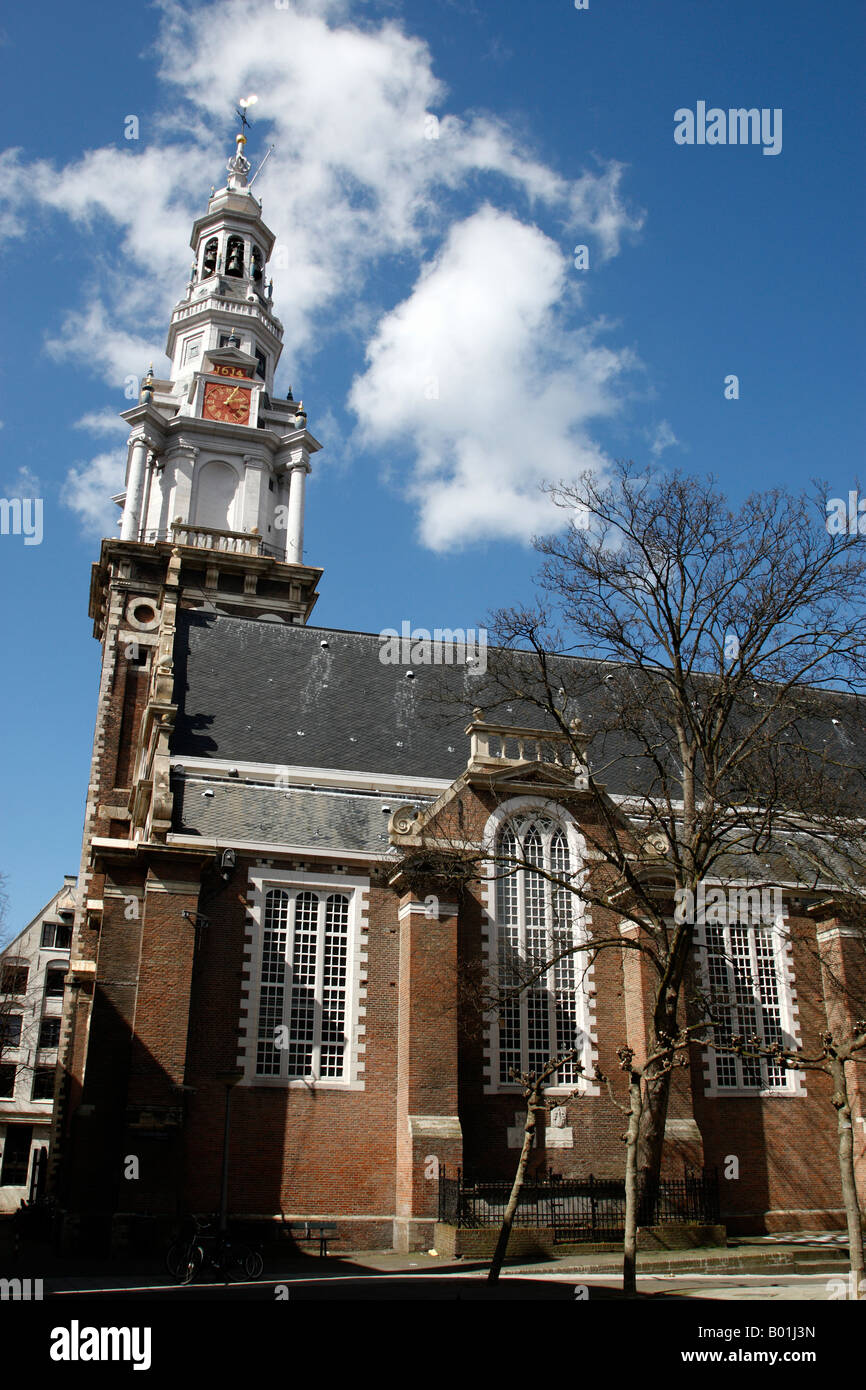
x=642 y=1077
x=842 y=1047
x=713 y=711
x=533 y=1086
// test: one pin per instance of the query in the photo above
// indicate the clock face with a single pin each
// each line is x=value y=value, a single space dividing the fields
x=227 y=401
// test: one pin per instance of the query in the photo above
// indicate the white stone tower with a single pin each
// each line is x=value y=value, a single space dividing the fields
x=214 y=460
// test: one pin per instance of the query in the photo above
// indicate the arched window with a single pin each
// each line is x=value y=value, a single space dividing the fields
x=256 y=258
x=216 y=488
x=209 y=260
x=539 y=923
x=235 y=256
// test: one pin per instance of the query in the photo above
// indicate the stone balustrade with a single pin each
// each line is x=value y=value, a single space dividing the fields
x=210 y=538
x=492 y=745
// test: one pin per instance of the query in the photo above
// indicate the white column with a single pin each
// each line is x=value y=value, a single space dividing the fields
x=295 y=527
x=150 y=471
x=132 y=506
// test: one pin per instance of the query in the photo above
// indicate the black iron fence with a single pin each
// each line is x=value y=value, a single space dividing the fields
x=581 y=1209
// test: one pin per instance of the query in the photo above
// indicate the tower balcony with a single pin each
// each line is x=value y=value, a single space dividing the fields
x=211 y=538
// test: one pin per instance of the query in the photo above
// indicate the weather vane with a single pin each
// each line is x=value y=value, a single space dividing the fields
x=241 y=110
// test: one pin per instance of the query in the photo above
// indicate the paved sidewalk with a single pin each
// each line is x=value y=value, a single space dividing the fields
x=796 y=1254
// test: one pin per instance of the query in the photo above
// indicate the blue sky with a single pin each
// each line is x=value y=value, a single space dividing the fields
x=411 y=261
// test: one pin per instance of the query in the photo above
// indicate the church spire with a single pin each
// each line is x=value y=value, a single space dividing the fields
x=212 y=450
x=238 y=166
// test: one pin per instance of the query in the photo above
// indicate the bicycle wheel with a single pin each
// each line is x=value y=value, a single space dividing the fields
x=176 y=1257
x=253 y=1264
x=192 y=1264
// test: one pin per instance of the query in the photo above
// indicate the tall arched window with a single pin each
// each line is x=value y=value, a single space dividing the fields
x=538 y=924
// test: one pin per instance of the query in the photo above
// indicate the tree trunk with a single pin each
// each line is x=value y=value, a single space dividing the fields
x=842 y=1102
x=629 y=1246
x=510 y=1210
x=651 y=1138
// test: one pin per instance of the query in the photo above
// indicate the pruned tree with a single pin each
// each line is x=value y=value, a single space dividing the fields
x=642 y=1078
x=532 y=1085
x=841 y=1048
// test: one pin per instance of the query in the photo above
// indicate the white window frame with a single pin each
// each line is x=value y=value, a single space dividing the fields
x=294 y=883
x=782 y=956
x=521 y=809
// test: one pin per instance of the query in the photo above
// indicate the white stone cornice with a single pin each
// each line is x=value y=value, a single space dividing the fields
x=181 y=445
x=440 y=912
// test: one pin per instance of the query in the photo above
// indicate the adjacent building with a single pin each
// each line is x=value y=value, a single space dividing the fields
x=33 y=970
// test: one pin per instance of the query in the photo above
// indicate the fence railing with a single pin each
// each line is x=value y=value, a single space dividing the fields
x=580 y=1209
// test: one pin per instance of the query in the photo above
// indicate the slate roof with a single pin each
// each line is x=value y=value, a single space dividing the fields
x=270 y=693
x=262 y=692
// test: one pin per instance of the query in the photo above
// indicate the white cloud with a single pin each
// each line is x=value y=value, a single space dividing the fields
x=24 y=484
x=94 y=335
x=477 y=377
x=347 y=110
x=103 y=422
x=661 y=437
x=88 y=490
x=353 y=181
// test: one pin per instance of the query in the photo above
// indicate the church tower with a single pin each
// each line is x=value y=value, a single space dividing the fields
x=215 y=460
x=212 y=527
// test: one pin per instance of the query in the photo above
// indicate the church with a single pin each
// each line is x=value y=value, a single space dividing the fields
x=250 y=956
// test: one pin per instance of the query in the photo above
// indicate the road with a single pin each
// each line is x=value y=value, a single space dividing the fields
x=471 y=1285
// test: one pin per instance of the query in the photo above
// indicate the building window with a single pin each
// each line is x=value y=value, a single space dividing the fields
x=13 y=979
x=542 y=1012
x=746 y=984
x=43 y=1083
x=49 y=1032
x=54 y=981
x=261 y=365
x=16 y=1156
x=303 y=1000
x=192 y=349
x=7 y=1081
x=10 y=1030
x=57 y=936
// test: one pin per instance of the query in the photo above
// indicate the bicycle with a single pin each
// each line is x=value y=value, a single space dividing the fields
x=209 y=1246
